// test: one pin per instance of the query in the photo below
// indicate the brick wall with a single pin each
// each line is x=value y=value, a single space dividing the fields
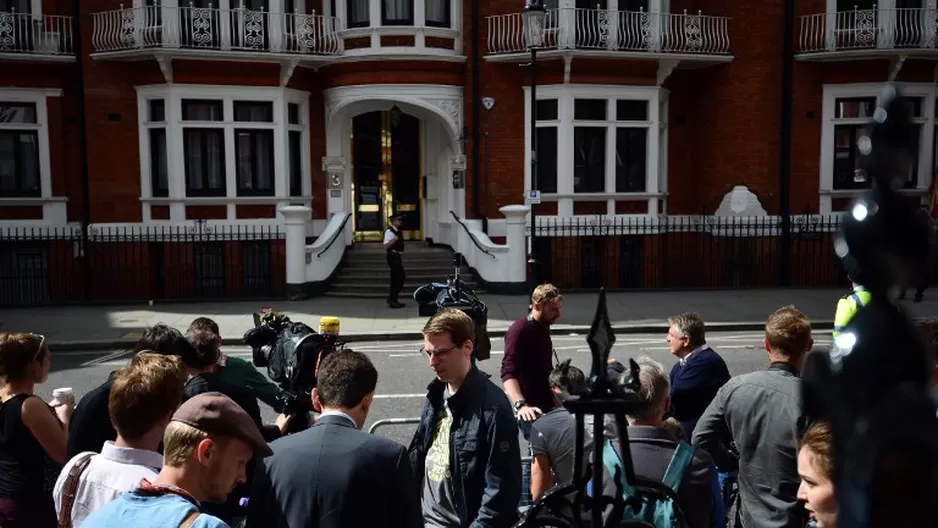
x=723 y=131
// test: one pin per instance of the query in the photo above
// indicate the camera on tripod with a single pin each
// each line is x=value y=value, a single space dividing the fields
x=292 y=353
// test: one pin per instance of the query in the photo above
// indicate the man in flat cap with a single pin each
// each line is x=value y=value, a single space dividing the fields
x=394 y=245
x=207 y=447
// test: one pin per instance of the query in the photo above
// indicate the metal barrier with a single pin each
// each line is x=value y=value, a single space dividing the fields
x=526 y=499
x=392 y=421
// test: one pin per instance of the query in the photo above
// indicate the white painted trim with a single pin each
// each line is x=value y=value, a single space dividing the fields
x=832 y=92
x=173 y=96
x=655 y=183
x=53 y=209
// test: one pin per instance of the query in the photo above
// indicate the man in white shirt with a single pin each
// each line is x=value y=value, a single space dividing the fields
x=394 y=245
x=144 y=396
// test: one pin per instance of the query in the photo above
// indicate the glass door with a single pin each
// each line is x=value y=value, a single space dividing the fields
x=386 y=174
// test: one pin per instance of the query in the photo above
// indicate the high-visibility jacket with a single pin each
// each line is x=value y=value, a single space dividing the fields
x=848 y=306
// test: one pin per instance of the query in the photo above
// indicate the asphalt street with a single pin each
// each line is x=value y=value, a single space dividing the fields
x=403 y=373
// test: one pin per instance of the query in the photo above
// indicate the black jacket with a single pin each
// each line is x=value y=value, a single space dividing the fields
x=485 y=457
x=334 y=476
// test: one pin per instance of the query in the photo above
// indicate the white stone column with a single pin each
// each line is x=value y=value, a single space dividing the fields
x=516 y=240
x=295 y=218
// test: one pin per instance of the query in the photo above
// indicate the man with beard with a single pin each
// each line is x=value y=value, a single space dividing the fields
x=527 y=363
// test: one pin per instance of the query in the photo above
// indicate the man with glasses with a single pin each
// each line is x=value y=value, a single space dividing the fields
x=467 y=419
x=527 y=363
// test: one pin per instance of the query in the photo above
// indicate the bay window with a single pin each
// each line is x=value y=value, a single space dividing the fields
x=222 y=145
x=847 y=113
x=19 y=150
x=599 y=143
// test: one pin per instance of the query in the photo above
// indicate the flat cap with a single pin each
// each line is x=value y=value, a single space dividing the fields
x=217 y=414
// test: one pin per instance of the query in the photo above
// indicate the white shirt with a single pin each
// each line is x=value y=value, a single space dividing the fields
x=339 y=413
x=698 y=349
x=107 y=476
x=389 y=236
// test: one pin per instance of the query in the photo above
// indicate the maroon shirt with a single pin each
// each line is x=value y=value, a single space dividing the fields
x=528 y=351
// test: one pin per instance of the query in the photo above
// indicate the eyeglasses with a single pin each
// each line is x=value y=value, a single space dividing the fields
x=42 y=344
x=438 y=353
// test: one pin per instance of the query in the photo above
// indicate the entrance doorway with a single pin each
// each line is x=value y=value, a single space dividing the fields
x=386 y=173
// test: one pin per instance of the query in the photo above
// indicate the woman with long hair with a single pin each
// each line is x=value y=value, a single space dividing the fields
x=32 y=434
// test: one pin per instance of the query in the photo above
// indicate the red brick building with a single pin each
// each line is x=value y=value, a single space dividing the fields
x=218 y=114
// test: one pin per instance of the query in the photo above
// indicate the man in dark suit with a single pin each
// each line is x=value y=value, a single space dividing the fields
x=698 y=374
x=333 y=475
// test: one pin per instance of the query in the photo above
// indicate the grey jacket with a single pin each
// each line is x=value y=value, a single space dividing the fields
x=760 y=411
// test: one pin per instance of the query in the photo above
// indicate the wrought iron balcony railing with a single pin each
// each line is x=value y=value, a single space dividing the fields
x=869 y=29
x=620 y=31
x=40 y=35
x=214 y=29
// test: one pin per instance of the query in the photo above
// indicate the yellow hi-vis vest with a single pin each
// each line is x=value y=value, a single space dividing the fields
x=848 y=306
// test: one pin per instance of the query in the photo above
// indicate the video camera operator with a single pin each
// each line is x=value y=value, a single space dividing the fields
x=292 y=352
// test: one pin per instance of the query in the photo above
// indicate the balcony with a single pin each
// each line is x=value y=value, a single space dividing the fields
x=24 y=36
x=696 y=40
x=166 y=32
x=869 y=34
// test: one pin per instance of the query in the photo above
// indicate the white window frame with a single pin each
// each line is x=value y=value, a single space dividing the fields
x=53 y=208
x=173 y=96
x=419 y=29
x=833 y=92
x=656 y=144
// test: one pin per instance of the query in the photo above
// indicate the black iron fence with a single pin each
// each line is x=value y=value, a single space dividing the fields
x=688 y=252
x=126 y=264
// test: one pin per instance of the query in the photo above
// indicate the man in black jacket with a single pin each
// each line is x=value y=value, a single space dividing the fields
x=467 y=420
x=91 y=425
x=333 y=475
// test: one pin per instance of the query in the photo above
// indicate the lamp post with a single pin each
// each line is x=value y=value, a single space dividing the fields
x=533 y=16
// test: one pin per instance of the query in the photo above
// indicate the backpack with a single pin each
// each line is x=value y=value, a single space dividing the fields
x=651 y=506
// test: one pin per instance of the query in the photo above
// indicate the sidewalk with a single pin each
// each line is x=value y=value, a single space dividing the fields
x=108 y=327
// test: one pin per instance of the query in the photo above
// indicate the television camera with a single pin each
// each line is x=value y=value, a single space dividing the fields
x=292 y=353
x=437 y=296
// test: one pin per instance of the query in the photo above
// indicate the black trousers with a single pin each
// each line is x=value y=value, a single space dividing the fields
x=397 y=275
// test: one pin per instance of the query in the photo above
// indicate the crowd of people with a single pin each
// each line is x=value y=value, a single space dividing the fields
x=175 y=437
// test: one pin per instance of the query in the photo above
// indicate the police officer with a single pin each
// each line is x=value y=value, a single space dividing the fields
x=394 y=245
x=849 y=305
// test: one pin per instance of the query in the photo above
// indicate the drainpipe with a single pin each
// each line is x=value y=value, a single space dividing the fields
x=476 y=110
x=784 y=162
x=78 y=47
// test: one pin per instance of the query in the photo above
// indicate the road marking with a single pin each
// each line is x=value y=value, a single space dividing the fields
x=110 y=358
x=399 y=396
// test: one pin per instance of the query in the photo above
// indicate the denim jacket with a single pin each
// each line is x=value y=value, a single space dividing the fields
x=485 y=456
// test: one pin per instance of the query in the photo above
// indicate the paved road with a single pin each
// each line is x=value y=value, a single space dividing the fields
x=404 y=374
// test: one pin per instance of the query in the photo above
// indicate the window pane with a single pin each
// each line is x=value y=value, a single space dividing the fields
x=397 y=12
x=437 y=12
x=357 y=13
x=547 y=159
x=19 y=164
x=546 y=110
x=253 y=111
x=589 y=169
x=254 y=154
x=631 y=110
x=855 y=107
x=204 y=152
x=159 y=180
x=847 y=171
x=157 y=110
x=17 y=112
x=296 y=163
x=631 y=155
x=913 y=105
x=202 y=110
x=590 y=109
x=293 y=113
